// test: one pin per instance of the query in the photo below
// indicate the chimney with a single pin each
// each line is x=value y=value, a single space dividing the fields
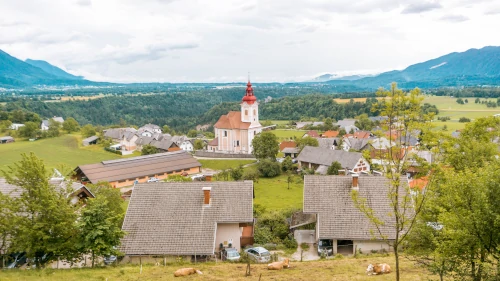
x=341 y=172
x=355 y=179
x=206 y=195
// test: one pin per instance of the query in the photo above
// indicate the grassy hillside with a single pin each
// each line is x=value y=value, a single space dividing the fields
x=336 y=270
x=64 y=150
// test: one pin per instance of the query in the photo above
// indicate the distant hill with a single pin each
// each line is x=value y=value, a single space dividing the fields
x=15 y=73
x=51 y=69
x=469 y=68
x=328 y=77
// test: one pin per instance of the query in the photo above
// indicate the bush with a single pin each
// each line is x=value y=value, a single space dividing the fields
x=339 y=256
x=287 y=164
x=463 y=120
x=268 y=168
x=444 y=118
x=251 y=174
x=304 y=246
x=237 y=173
x=113 y=151
x=290 y=243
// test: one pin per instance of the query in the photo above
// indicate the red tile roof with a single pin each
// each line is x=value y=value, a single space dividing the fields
x=313 y=134
x=285 y=144
x=232 y=121
x=330 y=134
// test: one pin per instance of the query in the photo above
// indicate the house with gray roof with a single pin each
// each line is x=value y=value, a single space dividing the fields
x=187 y=219
x=116 y=134
x=356 y=144
x=319 y=159
x=338 y=219
x=45 y=123
x=328 y=143
x=7 y=139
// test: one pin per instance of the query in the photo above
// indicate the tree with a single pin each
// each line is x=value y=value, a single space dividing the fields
x=30 y=130
x=88 y=131
x=479 y=101
x=460 y=101
x=47 y=225
x=328 y=124
x=334 y=168
x=364 y=123
x=404 y=112
x=192 y=133
x=149 y=149
x=287 y=164
x=54 y=127
x=306 y=141
x=265 y=146
x=445 y=128
x=466 y=101
x=236 y=173
x=199 y=144
x=99 y=227
x=8 y=225
x=166 y=129
x=70 y=125
x=289 y=178
x=342 y=132
x=268 y=168
x=463 y=120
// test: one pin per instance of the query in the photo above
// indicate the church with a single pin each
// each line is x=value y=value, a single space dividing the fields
x=235 y=131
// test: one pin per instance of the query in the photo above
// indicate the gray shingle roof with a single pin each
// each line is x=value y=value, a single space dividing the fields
x=59 y=183
x=171 y=219
x=290 y=150
x=90 y=139
x=330 y=198
x=9 y=189
x=324 y=156
x=131 y=168
x=117 y=133
x=327 y=142
x=357 y=144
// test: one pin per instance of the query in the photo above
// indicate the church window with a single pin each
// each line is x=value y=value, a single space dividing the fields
x=225 y=133
x=254 y=112
x=246 y=112
x=237 y=143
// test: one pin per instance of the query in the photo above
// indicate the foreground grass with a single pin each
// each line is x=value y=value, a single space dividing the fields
x=223 y=164
x=273 y=193
x=64 y=150
x=342 y=269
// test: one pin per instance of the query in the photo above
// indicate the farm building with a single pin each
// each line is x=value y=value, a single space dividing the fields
x=90 y=140
x=7 y=139
x=339 y=221
x=319 y=159
x=187 y=219
x=126 y=172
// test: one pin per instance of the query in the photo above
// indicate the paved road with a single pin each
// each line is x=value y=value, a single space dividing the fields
x=308 y=237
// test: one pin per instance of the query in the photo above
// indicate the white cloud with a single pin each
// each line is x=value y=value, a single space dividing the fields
x=189 y=40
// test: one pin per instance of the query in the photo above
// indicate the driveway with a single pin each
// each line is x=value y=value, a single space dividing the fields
x=308 y=237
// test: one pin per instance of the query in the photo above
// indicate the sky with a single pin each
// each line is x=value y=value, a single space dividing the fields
x=224 y=40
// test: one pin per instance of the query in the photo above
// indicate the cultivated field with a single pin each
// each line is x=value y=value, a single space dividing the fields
x=335 y=270
x=64 y=150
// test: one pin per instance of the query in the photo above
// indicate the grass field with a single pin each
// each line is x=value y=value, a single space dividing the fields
x=273 y=193
x=333 y=270
x=64 y=150
x=288 y=134
x=223 y=164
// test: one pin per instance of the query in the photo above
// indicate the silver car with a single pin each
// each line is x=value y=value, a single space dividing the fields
x=231 y=254
x=259 y=254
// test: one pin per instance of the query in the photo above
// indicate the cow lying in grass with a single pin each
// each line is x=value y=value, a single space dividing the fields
x=377 y=269
x=186 y=272
x=279 y=265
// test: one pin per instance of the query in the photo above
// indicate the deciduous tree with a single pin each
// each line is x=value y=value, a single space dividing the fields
x=306 y=141
x=88 y=131
x=70 y=125
x=265 y=146
x=149 y=149
x=334 y=168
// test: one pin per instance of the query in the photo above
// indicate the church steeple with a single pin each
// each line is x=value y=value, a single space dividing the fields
x=250 y=107
x=249 y=96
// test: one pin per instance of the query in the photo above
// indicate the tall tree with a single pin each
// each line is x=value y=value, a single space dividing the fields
x=70 y=125
x=48 y=224
x=364 y=123
x=334 y=168
x=30 y=130
x=88 y=131
x=265 y=146
x=199 y=144
x=405 y=116
x=306 y=141
x=8 y=215
x=54 y=128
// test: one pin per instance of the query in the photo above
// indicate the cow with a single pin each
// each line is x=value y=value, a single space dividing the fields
x=377 y=269
x=186 y=272
x=279 y=265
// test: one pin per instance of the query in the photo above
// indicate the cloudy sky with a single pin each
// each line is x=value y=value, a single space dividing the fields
x=223 y=40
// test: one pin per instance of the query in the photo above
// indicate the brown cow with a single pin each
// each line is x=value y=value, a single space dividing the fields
x=279 y=265
x=186 y=272
x=377 y=269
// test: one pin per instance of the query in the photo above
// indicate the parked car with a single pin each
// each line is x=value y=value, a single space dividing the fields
x=325 y=246
x=153 y=179
x=259 y=254
x=230 y=254
x=18 y=260
x=109 y=260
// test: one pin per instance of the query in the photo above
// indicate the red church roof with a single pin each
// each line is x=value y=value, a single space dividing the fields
x=249 y=96
x=232 y=121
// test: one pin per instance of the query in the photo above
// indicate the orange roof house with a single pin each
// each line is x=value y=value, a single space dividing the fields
x=312 y=133
x=285 y=144
x=232 y=121
x=330 y=134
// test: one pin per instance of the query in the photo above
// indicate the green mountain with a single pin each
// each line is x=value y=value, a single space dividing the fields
x=51 y=69
x=470 y=68
x=15 y=73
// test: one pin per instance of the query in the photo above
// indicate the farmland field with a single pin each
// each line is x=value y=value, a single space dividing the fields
x=331 y=269
x=64 y=150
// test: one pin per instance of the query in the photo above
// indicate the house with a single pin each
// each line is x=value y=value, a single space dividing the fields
x=7 y=139
x=116 y=134
x=345 y=123
x=330 y=134
x=319 y=159
x=301 y=125
x=311 y=133
x=16 y=126
x=378 y=118
x=45 y=123
x=338 y=220
x=291 y=152
x=187 y=219
x=90 y=140
x=184 y=143
x=355 y=144
x=235 y=131
x=128 y=171
x=285 y=144
x=360 y=135
x=351 y=129
x=149 y=128
x=77 y=192
x=328 y=143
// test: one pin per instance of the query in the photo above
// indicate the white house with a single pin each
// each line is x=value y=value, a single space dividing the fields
x=16 y=126
x=46 y=123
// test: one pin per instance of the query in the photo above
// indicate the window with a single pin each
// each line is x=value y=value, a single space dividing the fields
x=237 y=143
x=254 y=112
x=246 y=112
x=225 y=133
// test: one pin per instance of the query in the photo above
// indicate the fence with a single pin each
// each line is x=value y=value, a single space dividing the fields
x=211 y=154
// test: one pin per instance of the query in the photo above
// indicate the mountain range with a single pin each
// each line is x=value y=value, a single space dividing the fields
x=474 y=67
